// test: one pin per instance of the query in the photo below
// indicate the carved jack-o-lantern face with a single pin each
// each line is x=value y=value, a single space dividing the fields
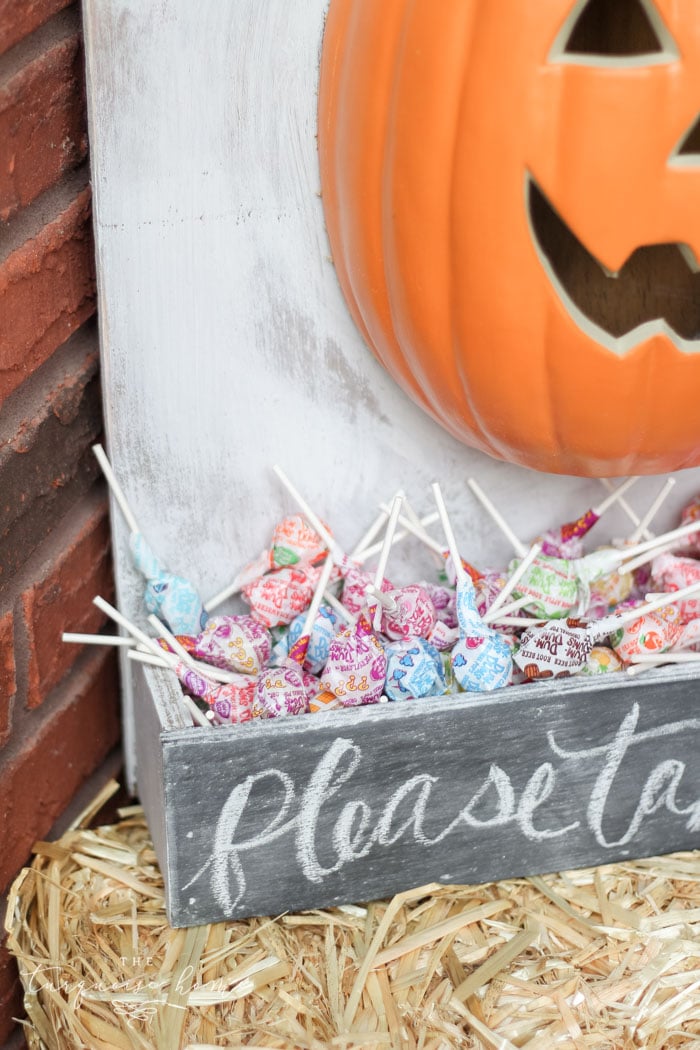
x=512 y=194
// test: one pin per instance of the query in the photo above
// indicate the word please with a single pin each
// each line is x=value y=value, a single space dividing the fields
x=331 y=828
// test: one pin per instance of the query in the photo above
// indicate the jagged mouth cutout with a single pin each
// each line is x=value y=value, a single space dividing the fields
x=658 y=287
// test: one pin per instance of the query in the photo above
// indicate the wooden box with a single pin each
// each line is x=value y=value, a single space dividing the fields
x=227 y=347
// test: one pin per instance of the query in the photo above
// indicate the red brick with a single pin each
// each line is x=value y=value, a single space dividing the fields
x=61 y=599
x=8 y=681
x=67 y=744
x=47 y=290
x=43 y=129
x=19 y=18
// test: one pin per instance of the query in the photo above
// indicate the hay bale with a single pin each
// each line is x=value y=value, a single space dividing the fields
x=600 y=958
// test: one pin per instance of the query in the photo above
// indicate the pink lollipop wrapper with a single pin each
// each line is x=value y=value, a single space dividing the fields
x=487 y=588
x=444 y=602
x=669 y=573
x=280 y=691
x=689 y=637
x=690 y=544
x=443 y=637
x=414 y=616
x=356 y=667
x=652 y=633
x=355 y=586
x=234 y=643
x=280 y=596
x=233 y=702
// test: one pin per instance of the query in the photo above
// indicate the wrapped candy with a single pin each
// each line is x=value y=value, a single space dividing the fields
x=232 y=702
x=235 y=643
x=414 y=615
x=601 y=660
x=481 y=658
x=322 y=633
x=356 y=667
x=671 y=573
x=280 y=596
x=356 y=582
x=414 y=669
x=443 y=599
x=284 y=690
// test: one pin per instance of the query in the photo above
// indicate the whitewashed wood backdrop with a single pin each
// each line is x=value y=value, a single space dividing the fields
x=226 y=342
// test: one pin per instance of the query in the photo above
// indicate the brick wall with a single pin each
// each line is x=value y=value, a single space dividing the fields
x=58 y=704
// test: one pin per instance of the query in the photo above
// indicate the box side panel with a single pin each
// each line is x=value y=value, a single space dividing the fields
x=157 y=709
x=358 y=805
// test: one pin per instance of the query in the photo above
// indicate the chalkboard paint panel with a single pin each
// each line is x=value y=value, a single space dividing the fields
x=352 y=806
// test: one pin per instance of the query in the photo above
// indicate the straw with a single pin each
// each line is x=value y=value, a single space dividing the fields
x=610 y=959
x=116 y=488
x=517 y=545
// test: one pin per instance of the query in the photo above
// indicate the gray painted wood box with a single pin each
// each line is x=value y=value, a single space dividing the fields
x=354 y=805
x=226 y=347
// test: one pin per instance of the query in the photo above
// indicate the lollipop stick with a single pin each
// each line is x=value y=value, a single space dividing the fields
x=449 y=534
x=615 y=496
x=338 y=607
x=515 y=579
x=653 y=509
x=629 y=615
x=384 y=554
x=517 y=545
x=636 y=563
x=507 y=610
x=371 y=533
x=116 y=488
x=197 y=716
x=416 y=529
x=665 y=658
x=135 y=631
x=386 y=601
x=369 y=552
x=148 y=658
x=318 y=596
x=662 y=540
x=96 y=639
x=624 y=505
x=312 y=518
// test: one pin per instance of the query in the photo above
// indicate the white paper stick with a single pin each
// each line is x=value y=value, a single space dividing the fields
x=372 y=531
x=164 y=632
x=311 y=517
x=384 y=554
x=148 y=658
x=116 y=488
x=512 y=582
x=419 y=532
x=615 y=496
x=665 y=658
x=200 y=718
x=506 y=610
x=618 y=620
x=624 y=506
x=664 y=539
x=449 y=534
x=119 y=618
x=96 y=639
x=213 y=674
x=385 y=600
x=369 y=552
x=516 y=621
x=218 y=599
x=318 y=596
x=338 y=607
x=653 y=510
x=517 y=545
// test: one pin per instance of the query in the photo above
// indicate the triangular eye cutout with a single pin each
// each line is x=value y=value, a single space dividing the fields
x=687 y=152
x=613 y=32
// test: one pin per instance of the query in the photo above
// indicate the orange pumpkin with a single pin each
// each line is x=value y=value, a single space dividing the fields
x=512 y=196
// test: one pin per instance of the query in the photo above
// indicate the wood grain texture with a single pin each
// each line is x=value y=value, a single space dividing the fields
x=319 y=810
x=225 y=339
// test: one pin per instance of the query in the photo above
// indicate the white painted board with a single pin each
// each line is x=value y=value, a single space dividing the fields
x=226 y=342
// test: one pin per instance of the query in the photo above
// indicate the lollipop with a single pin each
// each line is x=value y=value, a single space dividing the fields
x=292 y=542
x=171 y=597
x=280 y=596
x=414 y=615
x=557 y=649
x=414 y=669
x=566 y=541
x=283 y=690
x=671 y=573
x=356 y=668
x=322 y=633
x=481 y=658
x=235 y=643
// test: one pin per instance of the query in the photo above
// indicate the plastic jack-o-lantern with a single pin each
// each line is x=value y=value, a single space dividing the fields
x=512 y=195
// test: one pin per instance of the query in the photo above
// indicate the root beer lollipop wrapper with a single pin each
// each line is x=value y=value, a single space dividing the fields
x=414 y=669
x=235 y=643
x=560 y=649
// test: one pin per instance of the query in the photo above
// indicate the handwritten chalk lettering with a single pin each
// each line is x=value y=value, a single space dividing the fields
x=330 y=828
